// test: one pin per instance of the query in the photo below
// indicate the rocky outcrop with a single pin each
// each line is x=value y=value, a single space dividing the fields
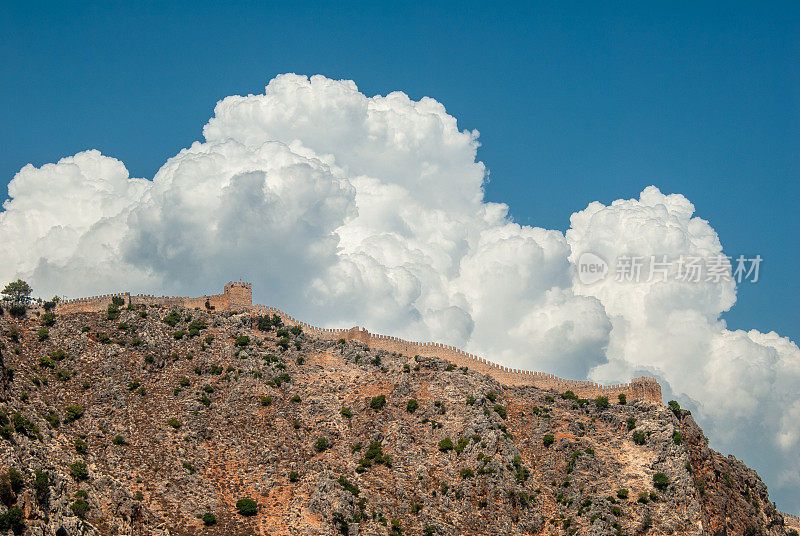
x=159 y=421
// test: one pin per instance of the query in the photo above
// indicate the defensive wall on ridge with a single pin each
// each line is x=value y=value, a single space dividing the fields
x=638 y=389
x=791 y=521
x=238 y=296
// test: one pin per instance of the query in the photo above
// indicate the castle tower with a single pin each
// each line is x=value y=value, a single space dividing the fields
x=239 y=295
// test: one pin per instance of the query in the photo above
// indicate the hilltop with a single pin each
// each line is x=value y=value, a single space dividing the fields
x=165 y=419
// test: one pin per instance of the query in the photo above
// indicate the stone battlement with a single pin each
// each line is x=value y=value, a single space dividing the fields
x=791 y=521
x=237 y=296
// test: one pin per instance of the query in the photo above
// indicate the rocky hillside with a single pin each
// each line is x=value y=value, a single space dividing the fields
x=156 y=421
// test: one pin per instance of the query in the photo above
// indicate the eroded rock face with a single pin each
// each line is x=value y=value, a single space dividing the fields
x=175 y=422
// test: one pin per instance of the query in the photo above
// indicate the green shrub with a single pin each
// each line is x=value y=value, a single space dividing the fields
x=247 y=507
x=58 y=354
x=80 y=446
x=119 y=441
x=204 y=400
x=321 y=444
x=569 y=395
x=184 y=382
x=461 y=445
x=622 y=399
x=266 y=400
x=347 y=413
x=197 y=326
x=631 y=423
x=48 y=319
x=119 y=301
x=209 y=519
x=46 y=362
x=78 y=470
x=622 y=494
x=242 y=341
x=72 y=413
x=500 y=410
x=283 y=342
x=548 y=440
x=660 y=481
x=470 y=400
x=293 y=476
x=466 y=473
x=41 y=484
x=446 y=444
x=639 y=437
x=43 y=334
x=349 y=486
x=178 y=335
x=296 y=330
x=53 y=420
x=23 y=425
x=412 y=406
x=675 y=407
x=601 y=402
x=644 y=498
x=172 y=318
x=491 y=396
x=677 y=438
x=175 y=423
x=80 y=508
x=378 y=402
x=132 y=386
x=62 y=375
x=295 y=399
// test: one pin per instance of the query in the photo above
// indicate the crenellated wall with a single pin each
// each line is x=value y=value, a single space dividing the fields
x=638 y=389
x=238 y=296
x=791 y=521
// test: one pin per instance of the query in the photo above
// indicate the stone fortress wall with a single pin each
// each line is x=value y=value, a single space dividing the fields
x=791 y=521
x=238 y=296
x=639 y=388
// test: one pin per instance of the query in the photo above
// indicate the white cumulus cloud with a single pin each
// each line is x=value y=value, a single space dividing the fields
x=345 y=209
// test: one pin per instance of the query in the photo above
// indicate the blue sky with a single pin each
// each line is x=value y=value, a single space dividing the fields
x=574 y=102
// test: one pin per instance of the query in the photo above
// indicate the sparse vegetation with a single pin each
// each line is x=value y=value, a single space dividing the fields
x=247 y=507
x=78 y=470
x=72 y=413
x=322 y=444
x=446 y=444
x=660 y=481
x=378 y=402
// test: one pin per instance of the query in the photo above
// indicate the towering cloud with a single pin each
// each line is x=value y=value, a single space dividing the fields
x=345 y=209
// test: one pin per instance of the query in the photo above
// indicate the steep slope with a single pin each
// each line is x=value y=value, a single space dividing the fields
x=147 y=419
